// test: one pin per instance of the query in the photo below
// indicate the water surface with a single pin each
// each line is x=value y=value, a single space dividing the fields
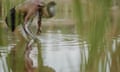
x=60 y=51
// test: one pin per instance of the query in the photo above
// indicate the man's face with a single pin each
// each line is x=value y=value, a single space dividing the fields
x=49 y=10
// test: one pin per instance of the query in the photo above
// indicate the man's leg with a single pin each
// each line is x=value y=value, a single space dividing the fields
x=24 y=47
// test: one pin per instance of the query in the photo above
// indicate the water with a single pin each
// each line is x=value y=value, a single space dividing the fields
x=60 y=51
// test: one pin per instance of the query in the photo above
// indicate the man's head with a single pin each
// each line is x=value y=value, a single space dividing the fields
x=49 y=9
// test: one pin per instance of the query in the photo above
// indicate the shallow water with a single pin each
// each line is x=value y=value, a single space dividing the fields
x=60 y=51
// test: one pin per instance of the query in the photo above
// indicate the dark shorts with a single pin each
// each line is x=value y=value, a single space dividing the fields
x=10 y=19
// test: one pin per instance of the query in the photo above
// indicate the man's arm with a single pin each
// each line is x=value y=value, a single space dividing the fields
x=39 y=20
x=26 y=25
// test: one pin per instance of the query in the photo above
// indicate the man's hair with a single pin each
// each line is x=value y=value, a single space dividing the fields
x=50 y=5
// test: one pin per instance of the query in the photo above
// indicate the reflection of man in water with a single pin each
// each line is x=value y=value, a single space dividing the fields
x=22 y=15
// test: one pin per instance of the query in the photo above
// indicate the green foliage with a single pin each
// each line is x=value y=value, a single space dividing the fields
x=8 y=4
x=78 y=12
x=93 y=25
x=2 y=35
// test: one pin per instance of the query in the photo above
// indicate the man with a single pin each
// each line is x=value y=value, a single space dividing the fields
x=22 y=15
x=25 y=12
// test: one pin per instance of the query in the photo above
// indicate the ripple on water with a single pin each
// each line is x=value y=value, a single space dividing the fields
x=60 y=51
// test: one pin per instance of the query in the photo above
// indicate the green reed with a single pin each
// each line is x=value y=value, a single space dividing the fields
x=16 y=57
x=4 y=8
x=2 y=35
x=94 y=25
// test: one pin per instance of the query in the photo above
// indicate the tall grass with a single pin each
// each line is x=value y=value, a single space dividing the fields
x=7 y=4
x=0 y=19
x=16 y=58
x=94 y=25
x=97 y=23
x=2 y=35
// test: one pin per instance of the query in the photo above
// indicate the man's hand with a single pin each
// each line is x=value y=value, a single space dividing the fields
x=36 y=39
x=38 y=31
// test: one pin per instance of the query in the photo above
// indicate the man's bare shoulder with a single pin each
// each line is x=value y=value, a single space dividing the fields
x=24 y=6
